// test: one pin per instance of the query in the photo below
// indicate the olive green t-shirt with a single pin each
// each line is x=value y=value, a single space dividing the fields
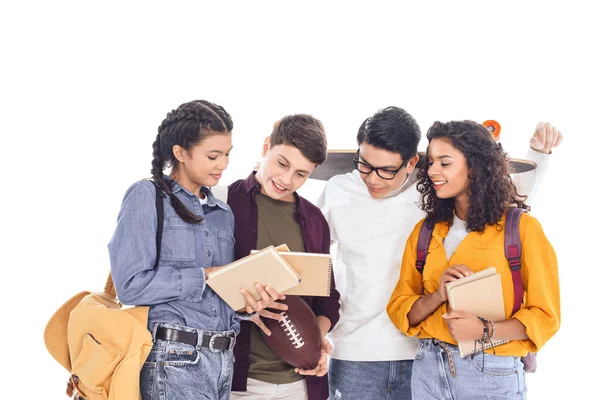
x=276 y=225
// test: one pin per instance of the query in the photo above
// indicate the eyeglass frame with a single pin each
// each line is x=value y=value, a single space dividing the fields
x=376 y=169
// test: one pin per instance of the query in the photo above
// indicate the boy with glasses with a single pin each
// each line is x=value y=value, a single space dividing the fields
x=371 y=212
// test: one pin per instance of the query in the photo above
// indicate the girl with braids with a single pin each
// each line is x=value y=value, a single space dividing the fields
x=193 y=329
x=465 y=191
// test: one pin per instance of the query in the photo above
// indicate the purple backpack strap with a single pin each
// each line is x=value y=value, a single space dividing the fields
x=512 y=251
x=423 y=244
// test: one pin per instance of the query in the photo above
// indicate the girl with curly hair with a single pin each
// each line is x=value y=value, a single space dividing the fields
x=465 y=191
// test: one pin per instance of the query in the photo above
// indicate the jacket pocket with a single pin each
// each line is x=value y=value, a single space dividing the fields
x=178 y=241
x=94 y=366
x=226 y=246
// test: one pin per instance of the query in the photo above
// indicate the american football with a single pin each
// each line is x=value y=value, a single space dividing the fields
x=296 y=338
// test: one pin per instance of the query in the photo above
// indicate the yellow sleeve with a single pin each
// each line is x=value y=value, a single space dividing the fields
x=409 y=287
x=539 y=269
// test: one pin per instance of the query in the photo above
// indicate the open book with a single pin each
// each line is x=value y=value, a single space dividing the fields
x=479 y=294
x=313 y=268
x=266 y=267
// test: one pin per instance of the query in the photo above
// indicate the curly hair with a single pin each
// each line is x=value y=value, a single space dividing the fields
x=186 y=126
x=491 y=190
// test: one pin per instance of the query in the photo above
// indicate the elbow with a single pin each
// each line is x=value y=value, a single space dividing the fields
x=127 y=294
x=329 y=310
x=412 y=321
x=392 y=313
x=334 y=319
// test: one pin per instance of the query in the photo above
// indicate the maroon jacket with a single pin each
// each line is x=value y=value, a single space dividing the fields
x=315 y=233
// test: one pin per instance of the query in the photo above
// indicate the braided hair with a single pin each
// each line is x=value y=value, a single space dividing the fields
x=185 y=126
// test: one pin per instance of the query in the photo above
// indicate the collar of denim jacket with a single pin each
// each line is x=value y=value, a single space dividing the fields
x=211 y=199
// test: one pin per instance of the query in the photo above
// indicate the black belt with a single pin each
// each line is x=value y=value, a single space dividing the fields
x=213 y=342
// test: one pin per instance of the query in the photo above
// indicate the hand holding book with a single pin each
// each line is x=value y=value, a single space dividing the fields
x=453 y=273
x=470 y=297
x=268 y=299
x=241 y=283
x=463 y=326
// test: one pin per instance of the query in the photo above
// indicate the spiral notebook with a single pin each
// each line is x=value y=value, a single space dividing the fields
x=479 y=294
x=315 y=269
x=266 y=266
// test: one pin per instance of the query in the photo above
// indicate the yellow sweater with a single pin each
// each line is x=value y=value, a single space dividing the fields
x=541 y=312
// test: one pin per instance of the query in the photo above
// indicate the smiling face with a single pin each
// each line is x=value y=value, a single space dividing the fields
x=448 y=170
x=204 y=163
x=386 y=160
x=283 y=171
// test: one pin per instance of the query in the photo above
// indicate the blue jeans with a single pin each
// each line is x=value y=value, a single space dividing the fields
x=179 y=371
x=483 y=376
x=373 y=380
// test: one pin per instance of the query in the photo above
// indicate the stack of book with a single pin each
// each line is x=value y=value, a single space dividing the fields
x=293 y=273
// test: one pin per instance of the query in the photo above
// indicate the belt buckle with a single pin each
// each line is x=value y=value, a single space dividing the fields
x=211 y=343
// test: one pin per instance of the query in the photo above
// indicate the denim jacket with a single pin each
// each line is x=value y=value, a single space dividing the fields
x=176 y=291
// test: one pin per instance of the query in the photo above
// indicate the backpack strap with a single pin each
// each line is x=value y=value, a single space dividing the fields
x=109 y=287
x=160 y=214
x=512 y=251
x=423 y=245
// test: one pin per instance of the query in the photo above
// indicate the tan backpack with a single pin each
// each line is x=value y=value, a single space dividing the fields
x=100 y=343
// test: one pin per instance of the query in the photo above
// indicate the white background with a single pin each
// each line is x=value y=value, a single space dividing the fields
x=84 y=85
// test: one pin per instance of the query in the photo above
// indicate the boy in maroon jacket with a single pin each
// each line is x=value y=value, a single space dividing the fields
x=268 y=211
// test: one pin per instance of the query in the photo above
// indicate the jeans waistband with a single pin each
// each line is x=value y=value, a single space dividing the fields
x=213 y=340
x=445 y=347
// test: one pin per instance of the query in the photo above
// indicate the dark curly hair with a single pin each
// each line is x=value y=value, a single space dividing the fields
x=186 y=126
x=491 y=190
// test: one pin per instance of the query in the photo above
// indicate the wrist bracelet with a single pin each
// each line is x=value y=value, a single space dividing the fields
x=485 y=330
x=493 y=330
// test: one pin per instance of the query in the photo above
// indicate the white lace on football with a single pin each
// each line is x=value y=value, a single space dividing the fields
x=290 y=329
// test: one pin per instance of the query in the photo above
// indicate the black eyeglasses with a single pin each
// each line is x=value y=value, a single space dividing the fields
x=383 y=173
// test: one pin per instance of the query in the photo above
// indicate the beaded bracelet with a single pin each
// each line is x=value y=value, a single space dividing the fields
x=485 y=330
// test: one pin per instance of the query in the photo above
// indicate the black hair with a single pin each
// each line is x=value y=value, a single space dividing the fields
x=186 y=126
x=491 y=190
x=391 y=129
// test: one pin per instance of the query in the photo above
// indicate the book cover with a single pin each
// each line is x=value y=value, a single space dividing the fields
x=315 y=269
x=266 y=266
x=479 y=294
